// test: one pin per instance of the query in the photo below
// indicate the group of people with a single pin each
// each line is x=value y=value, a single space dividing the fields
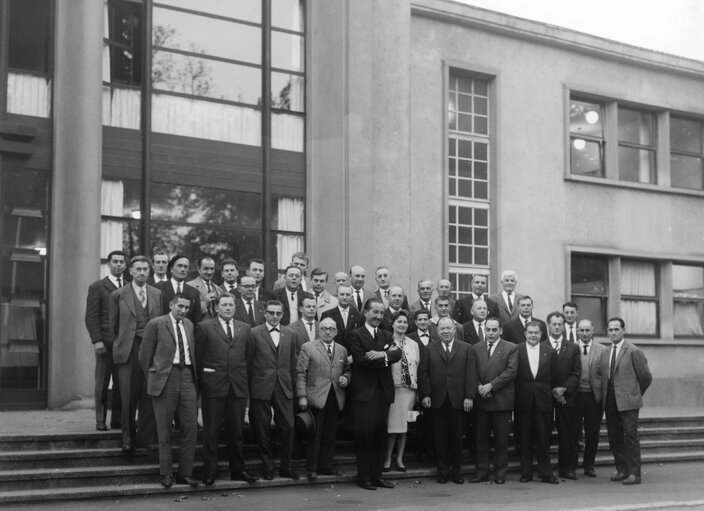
x=475 y=367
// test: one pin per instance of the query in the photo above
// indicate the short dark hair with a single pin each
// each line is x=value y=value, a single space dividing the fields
x=219 y=298
x=570 y=304
x=229 y=261
x=493 y=318
x=371 y=301
x=255 y=260
x=294 y=267
x=554 y=314
x=139 y=259
x=401 y=312
x=179 y=296
x=276 y=303
x=526 y=297
x=303 y=297
x=175 y=258
x=419 y=312
x=319 y=271
x=203 y=258
x=616 y=318
x=116 y=253
x=534 y=323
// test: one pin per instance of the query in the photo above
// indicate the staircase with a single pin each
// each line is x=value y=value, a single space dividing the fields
x=91 y=465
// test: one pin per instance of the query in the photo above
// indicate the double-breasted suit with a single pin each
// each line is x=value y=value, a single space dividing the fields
x=462 y=310
x=222 y=376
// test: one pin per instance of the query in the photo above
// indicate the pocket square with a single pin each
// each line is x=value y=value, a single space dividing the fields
x=208 y=370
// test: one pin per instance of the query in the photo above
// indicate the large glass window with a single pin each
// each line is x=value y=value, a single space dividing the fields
x=587 y=142
x=590 y=289
x=639 y=297
x=686 y=153
x=688 y=298
x=636 y=146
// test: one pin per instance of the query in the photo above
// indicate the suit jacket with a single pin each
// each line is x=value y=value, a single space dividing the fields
x=257 y=311
x=282 y=295
x=459 y=329
x=325 y=302
x=270 y=363
x=152 y=281
x=567 y=370
x=462 y=310
x=504 y=314
x=299 y=329
x=431 y=332
x=355 y=319
x=98 y=311
x=631 y=378
x=598 y=360
x=500 y=371
x=418 y=305
x=225 y=289
x=368 y=374
x=453 y=377
x=281 y=283
x=515 y=332
x=263 y=295
x=366 y=295
x=207 y=311
x=377 y=294
x=316 y=373
x=471 y=336
x=158 y=349
x=123 y=318
x=167 y=293
x=222 y=364
x=534 y=391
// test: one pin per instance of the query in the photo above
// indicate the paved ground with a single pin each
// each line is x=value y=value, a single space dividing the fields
x=671 y=486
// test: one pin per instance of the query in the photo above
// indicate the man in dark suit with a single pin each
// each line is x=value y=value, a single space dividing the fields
x=306 y=328
x=271 y=385
x=444 y=309
x=223 y=351
x=322 y=373
x=474 y=328
x=102 y=336
x=205 y=286
x=507 y=299
x=462 y=311
x=160 y=263
x=571 y=313
x=534 y=403
x=629 y=378
x=515 y=328
x=589 y=400
x=255 y=269
x=178 y=267
x=290 y=295
x=167 y=357
x=565 y=376
x=247 y=309
x=360 y=294
x=447 y=385
x=372 y=391
x=423 y=334
x=131 y=308
x=346 y=317
x=396 y=297
x=230 y=274
x=497 y=362
x=382 y=276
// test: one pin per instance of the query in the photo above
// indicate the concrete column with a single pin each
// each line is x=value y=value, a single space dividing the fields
x=75 y=214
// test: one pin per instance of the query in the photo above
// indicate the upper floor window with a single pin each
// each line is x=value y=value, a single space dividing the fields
x=587 y=138
x=636 y=146
x=686 y=153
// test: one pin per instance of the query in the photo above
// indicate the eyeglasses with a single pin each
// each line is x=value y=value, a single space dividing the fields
x=328 y=329
x=274 y=313
x=249 y=286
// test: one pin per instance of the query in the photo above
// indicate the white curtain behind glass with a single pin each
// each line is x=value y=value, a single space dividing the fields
x=291 y=218
x=287 y=132
x=28 y=95
x=638 y=279
x=112 y=204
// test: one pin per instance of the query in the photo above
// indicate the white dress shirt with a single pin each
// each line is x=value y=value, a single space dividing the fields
x=176 y=325
x=533 y=358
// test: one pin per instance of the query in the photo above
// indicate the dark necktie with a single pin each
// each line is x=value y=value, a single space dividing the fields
x=250 y=312
x=310 y=326
x=229 y=331
x=570 y=337
x=181 y=346
x=612 y=367
x=489 y=347
x=447 y=352
x=179 y=289
x=329 y=347
x=585 y=347
x=481 y=332
x=232 y=289
x=510 y=303
x=273 y=330
x=119 y=282
x=359 y=302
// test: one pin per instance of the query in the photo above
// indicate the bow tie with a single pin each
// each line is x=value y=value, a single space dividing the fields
x=273 y=330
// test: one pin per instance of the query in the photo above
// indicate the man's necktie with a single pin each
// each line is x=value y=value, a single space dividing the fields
x=556 y=346
x=179 y=289
x=612 y=367
x=229 y=332
x=343 y=313
x=359 y=301
x=181 y=347
x=510 y=303
x=447 y=352
x=211 y=305
x=273 y=330
x=570 y=337
x=310 y=326
x=481 y=332
x=119 y=282
x=489 y=349
x=293 y=297
x=232 y=289
x=142 y=298
x=585 y=347
x=329 y=347
x=250 y=312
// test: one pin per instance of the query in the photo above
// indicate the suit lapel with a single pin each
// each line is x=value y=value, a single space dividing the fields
x=130 y=299
x=151 y=301
x=323 y=351
x=621 y=353
x=170 y=326
x=223 y=334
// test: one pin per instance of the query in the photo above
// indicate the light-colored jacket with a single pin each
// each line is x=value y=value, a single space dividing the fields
x=412 y=350
x=316 y=373
x=632 y=377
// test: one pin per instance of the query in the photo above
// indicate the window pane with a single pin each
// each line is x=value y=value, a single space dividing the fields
x=637 y=278
x=120 y=198
x=687 y=172
x=689 y=319
x=687 y=282
x=592 y=308
x=637 y=165
x=286 y=51
x=586 y=158
x=481 y=256
x=640 y=317
x=120 y=235
x=29 y=42
x=287 y=14
x=200 y=76
x=688 y=294
x=249 y=10
x=635 y=127
x=589 y=275
x=685 y=135
x=480 y=190
x=288 y=214
x=586 y=118
x=209 y=36
x=124 y=49
x=287 y=92
x=195 y=242
x=287 y=132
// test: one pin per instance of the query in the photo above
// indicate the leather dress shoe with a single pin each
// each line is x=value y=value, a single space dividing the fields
x=115 y=425
x=442 y=479
x=631 y=479
x=194 y=483
x=380 y=483
x=589 y=472
x=568 y=474
x=333 y=472
x=500 y=480
x=458 y=480
x=242 y=476
x=526 y=479
x=618 y=477
x=209 y=481
x=166 y=481
x=312 y=476
x=479 y=479
x=290 y=474
x=386 y=469
x=366 y=485
x=268 y=475
x=550 y=480
x=100 y=426
x=128 y=449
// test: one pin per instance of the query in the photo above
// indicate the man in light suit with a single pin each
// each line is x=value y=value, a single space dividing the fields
x=178 y=267
x=305 y=329
x=497 y=363
x=271 y=385
x=230 y=273
x=167 y=357
x=322 y=373
x=206 y=287
x=324 y=300
x=371 y=391
x=462 y=311
x=223 y=351
x=247 y=308
x=447 y=383
x=131 y=308
x=515 y=328
x=534 y=403
x=360 y=294
x=589 y=400
x=629 y=378
x=290 y=295
x=425 y=298
x=507 y=299
x=102 y=336
x=346 y=317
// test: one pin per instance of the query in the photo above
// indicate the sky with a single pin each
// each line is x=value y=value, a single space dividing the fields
x=670 y=26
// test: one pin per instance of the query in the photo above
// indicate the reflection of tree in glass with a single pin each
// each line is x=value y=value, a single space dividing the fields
x=195 y=242
x=284 y=99
x=178 y=73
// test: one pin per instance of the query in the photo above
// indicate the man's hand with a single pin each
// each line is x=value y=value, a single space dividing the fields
x=426 y=402
x=373 y=355
x=99 y=348
x=343 y=381
x=485 y=390
x=467 y=405
x=302 y=403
